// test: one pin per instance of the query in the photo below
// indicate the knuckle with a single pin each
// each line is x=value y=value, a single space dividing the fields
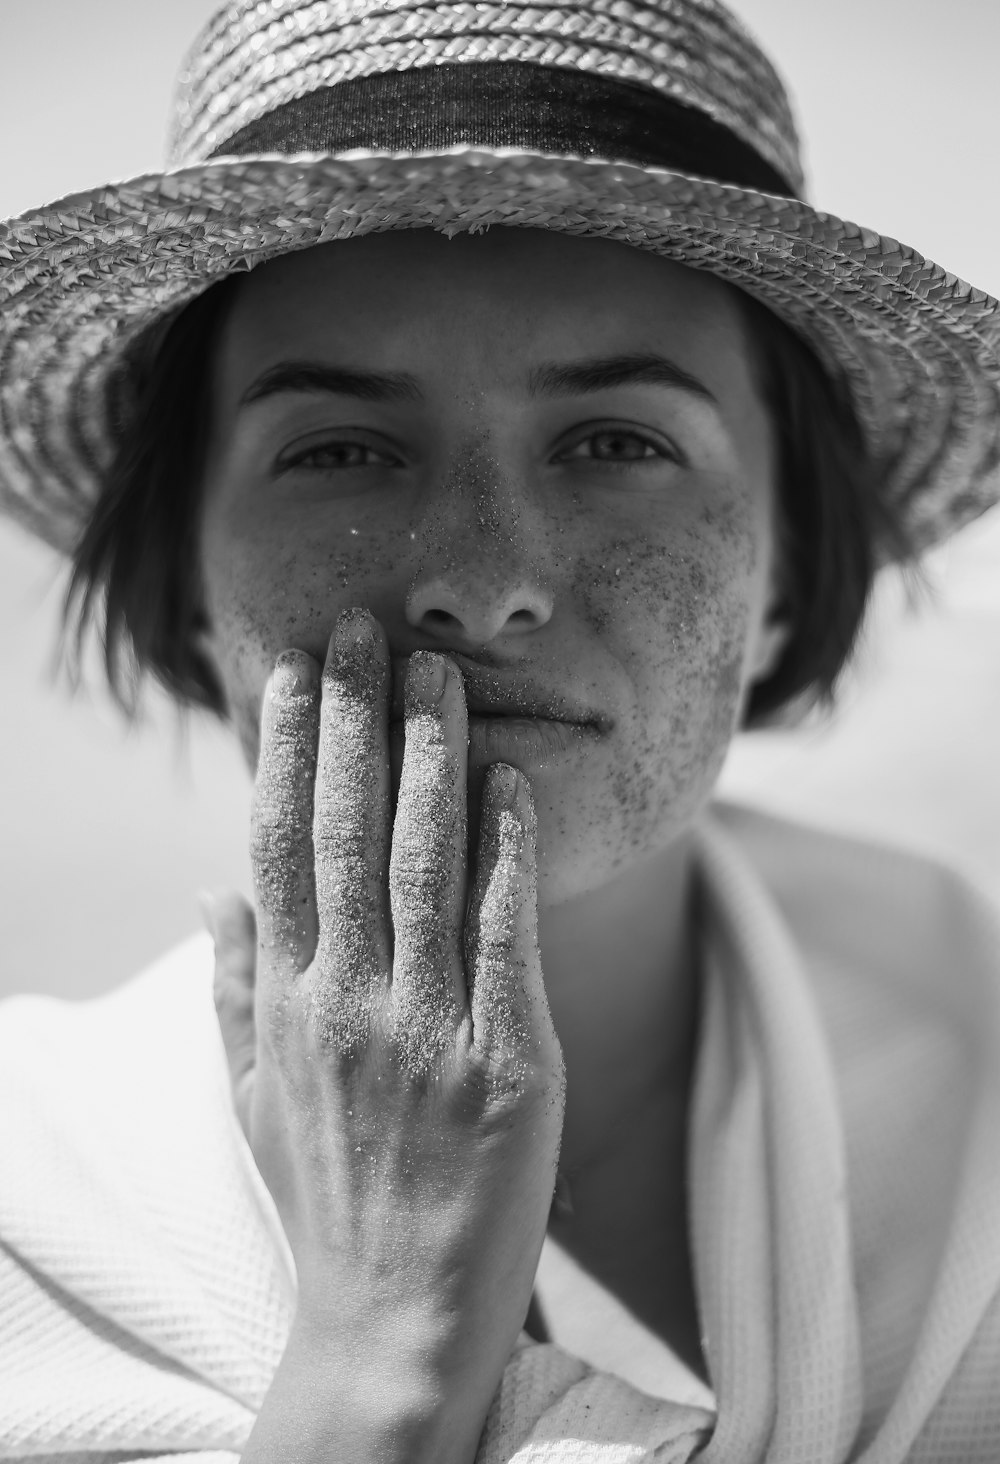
x=271 y=815
x=347 y=908
x=497 y=929
x=420 y=893
x=346 y=944
x=416 y=869
x=495 y=956
x=430 y=779
x=343 y=842
x=341 y=1018
x=276 y=835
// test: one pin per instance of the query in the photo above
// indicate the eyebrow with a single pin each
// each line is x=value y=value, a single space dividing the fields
x=550 y=379
x=606 y=372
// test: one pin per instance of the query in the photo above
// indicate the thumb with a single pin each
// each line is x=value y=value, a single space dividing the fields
x=231 y=924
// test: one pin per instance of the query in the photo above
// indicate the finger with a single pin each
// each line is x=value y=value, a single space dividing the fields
x=351 y=830
x=427 y=872
x=234 y=931
x=510 y=1013
x=281 y=852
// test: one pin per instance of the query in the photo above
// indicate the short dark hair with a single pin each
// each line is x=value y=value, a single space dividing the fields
x=834 y=526
x=136 y=569
x=135 y=573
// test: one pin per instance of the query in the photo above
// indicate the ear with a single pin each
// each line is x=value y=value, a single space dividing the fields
x=773 y=633
x=200 y=625
x=202 y=635
x=772 y=638
x=202 y=646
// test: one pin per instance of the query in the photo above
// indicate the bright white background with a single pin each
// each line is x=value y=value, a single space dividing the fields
x=107 y=836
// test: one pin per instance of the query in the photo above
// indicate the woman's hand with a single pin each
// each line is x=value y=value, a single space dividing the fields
x=393 y=1060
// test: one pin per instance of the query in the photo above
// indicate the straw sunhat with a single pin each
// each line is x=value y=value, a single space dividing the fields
x=659 y=124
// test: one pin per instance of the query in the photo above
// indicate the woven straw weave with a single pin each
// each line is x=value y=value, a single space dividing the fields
x=249 y=59
x=918 y=350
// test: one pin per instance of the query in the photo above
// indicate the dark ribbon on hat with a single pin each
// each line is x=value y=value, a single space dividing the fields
x=508 y=104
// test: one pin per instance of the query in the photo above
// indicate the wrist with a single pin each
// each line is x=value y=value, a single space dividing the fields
x=383 y=1403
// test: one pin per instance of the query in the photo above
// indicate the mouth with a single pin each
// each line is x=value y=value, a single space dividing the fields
x=512 y=715
x=526 y=740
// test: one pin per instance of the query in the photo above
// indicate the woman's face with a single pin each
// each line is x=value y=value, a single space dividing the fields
x=564 y=478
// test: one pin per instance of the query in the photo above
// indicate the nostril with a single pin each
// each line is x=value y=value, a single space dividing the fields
x=474 y=610
x=441 y=618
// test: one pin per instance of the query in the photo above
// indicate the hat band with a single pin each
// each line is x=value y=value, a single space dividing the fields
x=507 y=104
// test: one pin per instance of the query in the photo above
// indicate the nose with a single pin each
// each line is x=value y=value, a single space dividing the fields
x=471 y=616
x=477 y=581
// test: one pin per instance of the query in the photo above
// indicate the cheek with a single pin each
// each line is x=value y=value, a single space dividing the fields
x=270 y=589
x=675 y=610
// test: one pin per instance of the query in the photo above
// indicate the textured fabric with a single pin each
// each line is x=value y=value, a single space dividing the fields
x=844 y=1177
x=546 y=109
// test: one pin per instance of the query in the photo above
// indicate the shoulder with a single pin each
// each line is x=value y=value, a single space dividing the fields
x=137 y=1242
x=133 y=1033
x=899 y=955
x=112 y=1086
x=877 y=921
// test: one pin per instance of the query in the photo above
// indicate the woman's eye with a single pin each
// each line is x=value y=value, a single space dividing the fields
x=615 y=445
x=324 y=456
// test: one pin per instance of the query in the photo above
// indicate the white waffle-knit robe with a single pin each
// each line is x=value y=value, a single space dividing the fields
x=845 y=1197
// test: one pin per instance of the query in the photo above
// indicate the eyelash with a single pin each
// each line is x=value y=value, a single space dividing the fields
x=672 y=455
x=301 y=459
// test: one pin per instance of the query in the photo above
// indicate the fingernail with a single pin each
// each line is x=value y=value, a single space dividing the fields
x=206 y=904
x=503 y=785
x=294 y=674
x=355 y=628
x=425 y=679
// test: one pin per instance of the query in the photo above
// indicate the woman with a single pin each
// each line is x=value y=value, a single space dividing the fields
x=593 y=1121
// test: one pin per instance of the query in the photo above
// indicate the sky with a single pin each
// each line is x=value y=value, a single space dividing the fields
x=108 y=833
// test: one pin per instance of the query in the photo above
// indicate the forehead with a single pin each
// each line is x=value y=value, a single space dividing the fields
x=505 y=296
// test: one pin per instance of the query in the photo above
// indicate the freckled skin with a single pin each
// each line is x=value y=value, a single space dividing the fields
x=487 y=523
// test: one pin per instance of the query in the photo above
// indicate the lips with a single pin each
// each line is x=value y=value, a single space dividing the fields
x=492 y=692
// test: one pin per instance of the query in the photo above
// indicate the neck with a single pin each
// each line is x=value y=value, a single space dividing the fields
x=620 y=977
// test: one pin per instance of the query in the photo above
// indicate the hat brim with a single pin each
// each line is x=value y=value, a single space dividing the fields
x=917 y=349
